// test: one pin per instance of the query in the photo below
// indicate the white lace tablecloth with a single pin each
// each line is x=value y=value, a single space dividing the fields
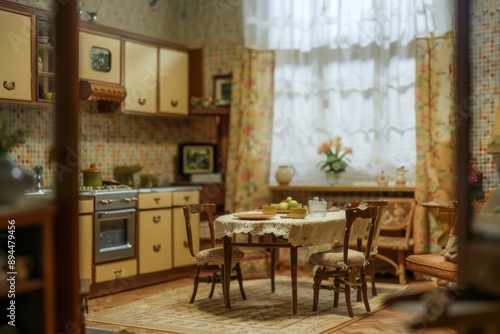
x=310 y=231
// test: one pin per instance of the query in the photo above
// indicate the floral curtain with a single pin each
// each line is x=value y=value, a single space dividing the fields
x=435 y=131
x=251 y=121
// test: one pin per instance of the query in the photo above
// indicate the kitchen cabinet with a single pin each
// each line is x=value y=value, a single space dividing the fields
x=173 y=84
x=155 y=232
x=85 y=229
x=115 y=270
x=16 y=56
x=28 y=288
x=156 y=80
x=45 y=60
x=141 y=76
x=99 y=57
x=182 y=255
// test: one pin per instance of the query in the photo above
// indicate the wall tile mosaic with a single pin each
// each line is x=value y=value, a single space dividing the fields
x=118 y=139
x=485 y=76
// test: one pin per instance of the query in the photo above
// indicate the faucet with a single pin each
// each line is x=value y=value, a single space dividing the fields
x=38 y=185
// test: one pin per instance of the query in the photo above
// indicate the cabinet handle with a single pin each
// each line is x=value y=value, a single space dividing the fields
x=185 y=244
x=186 y=198
x=157 y=199
x=174 y=103
x=156 y=248
x=118 y=273
x=9 y=85
x=156 y=219
x=141 y=101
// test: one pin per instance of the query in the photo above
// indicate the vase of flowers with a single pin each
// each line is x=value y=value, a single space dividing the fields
x=336 y=159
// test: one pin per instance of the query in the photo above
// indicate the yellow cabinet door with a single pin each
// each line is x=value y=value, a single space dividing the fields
x=85 y=248
x=155 y=240
x=141 y=74
x=182 y=255
x=173 y=82
x=99 y=58
x=15 y=57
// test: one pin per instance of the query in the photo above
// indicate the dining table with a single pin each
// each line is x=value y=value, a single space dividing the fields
x=283 y=230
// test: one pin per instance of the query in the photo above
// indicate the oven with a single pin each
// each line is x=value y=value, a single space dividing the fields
x=114 y=225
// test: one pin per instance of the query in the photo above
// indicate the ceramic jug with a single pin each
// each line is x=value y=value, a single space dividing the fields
x=284 y=174
x=382 y=179
x=401 y=177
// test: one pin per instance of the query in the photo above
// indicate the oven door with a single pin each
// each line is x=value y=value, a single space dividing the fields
x=114 y=235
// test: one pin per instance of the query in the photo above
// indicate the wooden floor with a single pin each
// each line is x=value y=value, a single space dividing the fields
x=387 y=320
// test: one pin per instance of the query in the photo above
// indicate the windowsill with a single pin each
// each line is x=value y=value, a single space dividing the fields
x=365 y=187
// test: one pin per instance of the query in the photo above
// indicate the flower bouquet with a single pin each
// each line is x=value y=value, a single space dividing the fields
x=336 y=160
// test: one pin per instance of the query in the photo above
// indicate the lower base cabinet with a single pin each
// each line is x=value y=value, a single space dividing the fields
x=85 y=229
x=155 y=238
x=115 y=270
x=181 y=254
x=162 y=247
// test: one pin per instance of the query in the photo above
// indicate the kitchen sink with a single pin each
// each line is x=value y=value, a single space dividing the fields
x=43 y=193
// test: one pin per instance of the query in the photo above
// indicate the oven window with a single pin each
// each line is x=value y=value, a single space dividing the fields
x=113 y=233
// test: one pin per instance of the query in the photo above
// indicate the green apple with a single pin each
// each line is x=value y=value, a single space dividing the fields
x=293 y=204
x=288 y=199
x=283 y=205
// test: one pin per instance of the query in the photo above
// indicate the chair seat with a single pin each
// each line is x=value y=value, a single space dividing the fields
x=394 y=243
x=216 y=256
x=335 y=258
x=433 y=265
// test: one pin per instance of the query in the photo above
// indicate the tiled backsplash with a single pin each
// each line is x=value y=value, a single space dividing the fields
x=109 y=140
x=485 y=74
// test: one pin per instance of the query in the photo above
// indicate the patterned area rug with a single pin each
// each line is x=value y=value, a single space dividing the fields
x=262 y=312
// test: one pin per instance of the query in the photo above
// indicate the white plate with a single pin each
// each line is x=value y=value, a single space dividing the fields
x=253 y=216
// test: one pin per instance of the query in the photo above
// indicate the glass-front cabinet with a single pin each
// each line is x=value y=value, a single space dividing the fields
x=45 y=60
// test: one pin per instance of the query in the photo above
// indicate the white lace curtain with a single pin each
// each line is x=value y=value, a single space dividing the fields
x=347 y=68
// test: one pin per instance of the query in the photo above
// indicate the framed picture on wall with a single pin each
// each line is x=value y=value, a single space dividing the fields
x=222 y=89
x=197 y=158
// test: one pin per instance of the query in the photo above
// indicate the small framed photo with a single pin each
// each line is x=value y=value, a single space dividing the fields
x=222 y=89
x=197 y=158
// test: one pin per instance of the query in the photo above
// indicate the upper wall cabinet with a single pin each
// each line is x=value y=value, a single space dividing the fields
x=141 y=74
x=46 y=62
x=16 y=56
x=99 y=57
x=173 y=84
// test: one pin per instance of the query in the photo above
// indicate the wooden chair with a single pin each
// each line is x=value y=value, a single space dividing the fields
x=210 y=260
x=346 y=266
x=396 y=227
x=380 y=205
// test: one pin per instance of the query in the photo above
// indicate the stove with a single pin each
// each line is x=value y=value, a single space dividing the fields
x=114 y=221
x=105 y=188
x=111 y=197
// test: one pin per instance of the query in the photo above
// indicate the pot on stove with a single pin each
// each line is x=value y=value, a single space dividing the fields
x=92 y=176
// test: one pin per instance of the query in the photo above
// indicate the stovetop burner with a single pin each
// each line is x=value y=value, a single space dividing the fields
x=105 y=188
